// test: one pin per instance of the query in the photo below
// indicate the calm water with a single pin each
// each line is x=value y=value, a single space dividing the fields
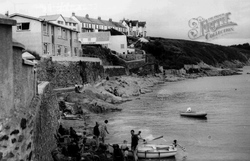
x=224 y=135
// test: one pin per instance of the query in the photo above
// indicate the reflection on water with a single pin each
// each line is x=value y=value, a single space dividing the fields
x=223 y=135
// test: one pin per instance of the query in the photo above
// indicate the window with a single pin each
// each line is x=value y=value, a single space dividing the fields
x=93 y=26
x=60 y=22
x=23 y=26
x=75 y=51
x=65 y=49
x=53 y=49
x=70 y=24
x=59 y=32
x=122 y=46
x=45 y=48
x=64 y=34
x=83 y=24
x=74 y=24
x=45 y=29
x=59 y=50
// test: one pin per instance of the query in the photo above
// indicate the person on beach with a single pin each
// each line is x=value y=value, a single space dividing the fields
x=134 y=142
x=124 y=148
x=103 y=131
x=77 y=88
x=96 y=133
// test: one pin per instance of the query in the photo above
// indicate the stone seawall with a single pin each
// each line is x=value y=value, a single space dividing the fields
x=29 y=134
x=66 y=73
x=46 y=123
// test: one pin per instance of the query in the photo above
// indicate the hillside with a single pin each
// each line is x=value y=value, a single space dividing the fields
x=173 y=53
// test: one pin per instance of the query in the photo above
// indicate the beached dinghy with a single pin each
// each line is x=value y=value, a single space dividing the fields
x=156 y=151
x=150 y=151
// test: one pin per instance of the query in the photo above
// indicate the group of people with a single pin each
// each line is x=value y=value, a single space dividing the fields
x=100 y=132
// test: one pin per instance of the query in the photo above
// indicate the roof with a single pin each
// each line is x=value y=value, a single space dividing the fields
x=25 y=16
x=133 y=22
x=41 y=20
x=83 y=19
x=114 y=32
x=142 y=24
x=6 y=20
x=99 y=21
x=96 y=21
x=51 y=17
x=68 y=19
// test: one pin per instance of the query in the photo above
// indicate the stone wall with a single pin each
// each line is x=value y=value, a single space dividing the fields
x=28 y=120
x=46 y=123
x=67 y=73
x=135 y=63
x=114 y=71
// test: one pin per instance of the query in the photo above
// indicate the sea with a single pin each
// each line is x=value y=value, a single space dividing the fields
x=223 y=136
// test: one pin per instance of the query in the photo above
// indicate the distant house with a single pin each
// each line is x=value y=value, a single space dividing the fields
x=59 y=19
x=87 y=24
x=112 y=39
x=118 y=41
x=135 y=28
x=46 y=37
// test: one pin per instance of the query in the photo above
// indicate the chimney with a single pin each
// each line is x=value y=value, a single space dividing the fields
x=73 y=14
x=7 y=14
x=110 y=19
x=87 y=16
x=99 y=18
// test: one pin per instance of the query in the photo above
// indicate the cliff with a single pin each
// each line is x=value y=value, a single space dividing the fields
x=174 y=54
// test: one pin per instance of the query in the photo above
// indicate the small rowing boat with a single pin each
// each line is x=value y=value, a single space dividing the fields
x=156 y=151
x=194 y=114
x=152 y=151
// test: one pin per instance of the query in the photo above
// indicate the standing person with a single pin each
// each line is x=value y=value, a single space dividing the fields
x=96 y=133
x=77 y=88
x=134 y=142
x=103 y=130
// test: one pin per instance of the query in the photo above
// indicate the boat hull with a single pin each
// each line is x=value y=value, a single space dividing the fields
x=152 y=151
x=194 y=114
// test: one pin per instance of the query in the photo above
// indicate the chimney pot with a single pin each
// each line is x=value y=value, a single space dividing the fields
x=110 y=19
x=87 y=16
x=73 y=14
x=99 y=18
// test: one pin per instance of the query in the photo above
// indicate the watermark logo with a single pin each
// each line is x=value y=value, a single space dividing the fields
x=211 y=28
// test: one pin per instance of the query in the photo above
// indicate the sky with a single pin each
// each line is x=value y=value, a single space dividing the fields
x=164 y=18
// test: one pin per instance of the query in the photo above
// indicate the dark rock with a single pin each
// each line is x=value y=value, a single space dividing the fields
x=5 y=137
x=30 y=156
x=10 y=155
x=29 y=146
x=7 y=127
x=14 y=132
x=17 y=148
x=13 y=140
x=20 y=138
x=1 y=155
x=23 y=123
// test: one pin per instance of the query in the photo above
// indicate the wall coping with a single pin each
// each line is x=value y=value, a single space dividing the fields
x=4 y=20
x=105 y=67
x=17 y=44
x=41 y=86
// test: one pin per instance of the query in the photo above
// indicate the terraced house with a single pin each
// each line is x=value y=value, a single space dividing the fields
x=135 y=28
x=87 y=24
x=47 y=35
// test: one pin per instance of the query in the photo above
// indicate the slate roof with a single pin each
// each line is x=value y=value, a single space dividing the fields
x=142 y=24
x=51 y=17
x=83 y=19
x=99 y=21
x=68 y=19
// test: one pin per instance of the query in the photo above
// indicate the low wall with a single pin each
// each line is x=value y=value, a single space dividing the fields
x=114 y=71
x=63 y=74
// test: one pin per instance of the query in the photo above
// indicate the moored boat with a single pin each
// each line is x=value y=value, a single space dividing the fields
x=194 y=114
